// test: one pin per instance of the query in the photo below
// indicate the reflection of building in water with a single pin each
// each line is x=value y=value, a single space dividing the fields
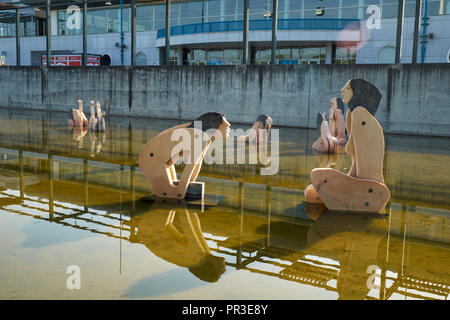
x=248 y=228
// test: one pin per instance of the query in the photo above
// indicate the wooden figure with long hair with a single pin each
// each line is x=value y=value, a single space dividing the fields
x=363 y=188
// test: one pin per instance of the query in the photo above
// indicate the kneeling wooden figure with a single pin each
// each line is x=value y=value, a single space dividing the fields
x=159 y=155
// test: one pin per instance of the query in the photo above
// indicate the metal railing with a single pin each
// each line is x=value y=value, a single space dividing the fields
x=265 y=24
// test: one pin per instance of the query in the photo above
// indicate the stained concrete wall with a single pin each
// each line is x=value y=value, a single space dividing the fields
x=415 y=97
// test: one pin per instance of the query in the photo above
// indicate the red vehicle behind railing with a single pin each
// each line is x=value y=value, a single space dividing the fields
x=71 y=60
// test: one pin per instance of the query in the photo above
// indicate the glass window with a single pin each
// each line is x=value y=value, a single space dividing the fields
x=144 y=17
x=175 y=17
x=389 y=9
x=62 y=24
x=215 y=54
x=141 y=59
x=230 y=13
x=263 y=56
x=386 y=55
x=96 y=21
x=434 y=7
x=284 y=53
x=257 y=8
x=213 y=10
x=309 y=9
x=160 y=17
x=350 y=9
x=410 y=8
x=345 y=55
x=191 y=12
x=232 y=56
x=312 y=54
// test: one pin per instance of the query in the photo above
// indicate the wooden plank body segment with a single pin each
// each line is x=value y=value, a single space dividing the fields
x=159 y=155
x=341 y=192
x=363 y=188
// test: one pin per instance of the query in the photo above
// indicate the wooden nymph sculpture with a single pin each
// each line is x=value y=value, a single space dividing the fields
x=363 y=188
x=159 y=155
x=97 y=124
x=77 y=117
x=332 y=132
x=259 y=132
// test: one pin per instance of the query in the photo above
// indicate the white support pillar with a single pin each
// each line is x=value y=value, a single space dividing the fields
x=222 y=10
x=329 y=54
x=286 y=9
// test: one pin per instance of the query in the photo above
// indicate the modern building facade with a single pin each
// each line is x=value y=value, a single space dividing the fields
x=210 y=32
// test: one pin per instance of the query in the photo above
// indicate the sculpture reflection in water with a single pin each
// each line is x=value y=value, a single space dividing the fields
x=353 y=239
x=173 y=232
x=97 y=140
x=78 y=134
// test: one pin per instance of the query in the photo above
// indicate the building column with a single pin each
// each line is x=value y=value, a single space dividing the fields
x=286 y=9
x=222 y=9
x=48 y=33
x=361 y=9
x=399 y=36
x=245 y=33
x=133 y=32
x=416 y=32
x=18 y=37
x=179 y=55
x=84 y=33
x=167 y=55
x=274 y=31
x=329 y=54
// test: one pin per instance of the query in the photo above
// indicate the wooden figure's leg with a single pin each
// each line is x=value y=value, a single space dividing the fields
x=349 y=147
x=311 y=195
x=342 y=192
x=321 y=145
x=156 y=162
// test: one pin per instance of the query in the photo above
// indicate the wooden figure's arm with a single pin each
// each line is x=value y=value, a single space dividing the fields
x=368 y=145
x=349 y=147
x=340 y=125
x=184 y=125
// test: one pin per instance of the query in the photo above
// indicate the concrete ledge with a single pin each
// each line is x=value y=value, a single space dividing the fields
x=415 y=97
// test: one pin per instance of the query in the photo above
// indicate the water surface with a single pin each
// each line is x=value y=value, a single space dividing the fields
x=68 y=199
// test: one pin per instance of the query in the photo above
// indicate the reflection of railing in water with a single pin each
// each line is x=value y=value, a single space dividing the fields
x=301 y=270
x=60 y=216
x=319 y=274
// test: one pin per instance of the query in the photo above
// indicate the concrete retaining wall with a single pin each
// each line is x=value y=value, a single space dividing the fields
x=415 y=97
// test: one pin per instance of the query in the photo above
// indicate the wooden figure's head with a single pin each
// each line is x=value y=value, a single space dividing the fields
x=340 y=105
x=210 y=269
x=361 y=93
x=211 y=121
x=265 y=120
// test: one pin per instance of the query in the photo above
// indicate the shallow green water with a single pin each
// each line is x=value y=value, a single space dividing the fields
x=69 y=200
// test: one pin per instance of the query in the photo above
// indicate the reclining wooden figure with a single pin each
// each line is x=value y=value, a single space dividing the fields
x=363 y=188
x=159 y=155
